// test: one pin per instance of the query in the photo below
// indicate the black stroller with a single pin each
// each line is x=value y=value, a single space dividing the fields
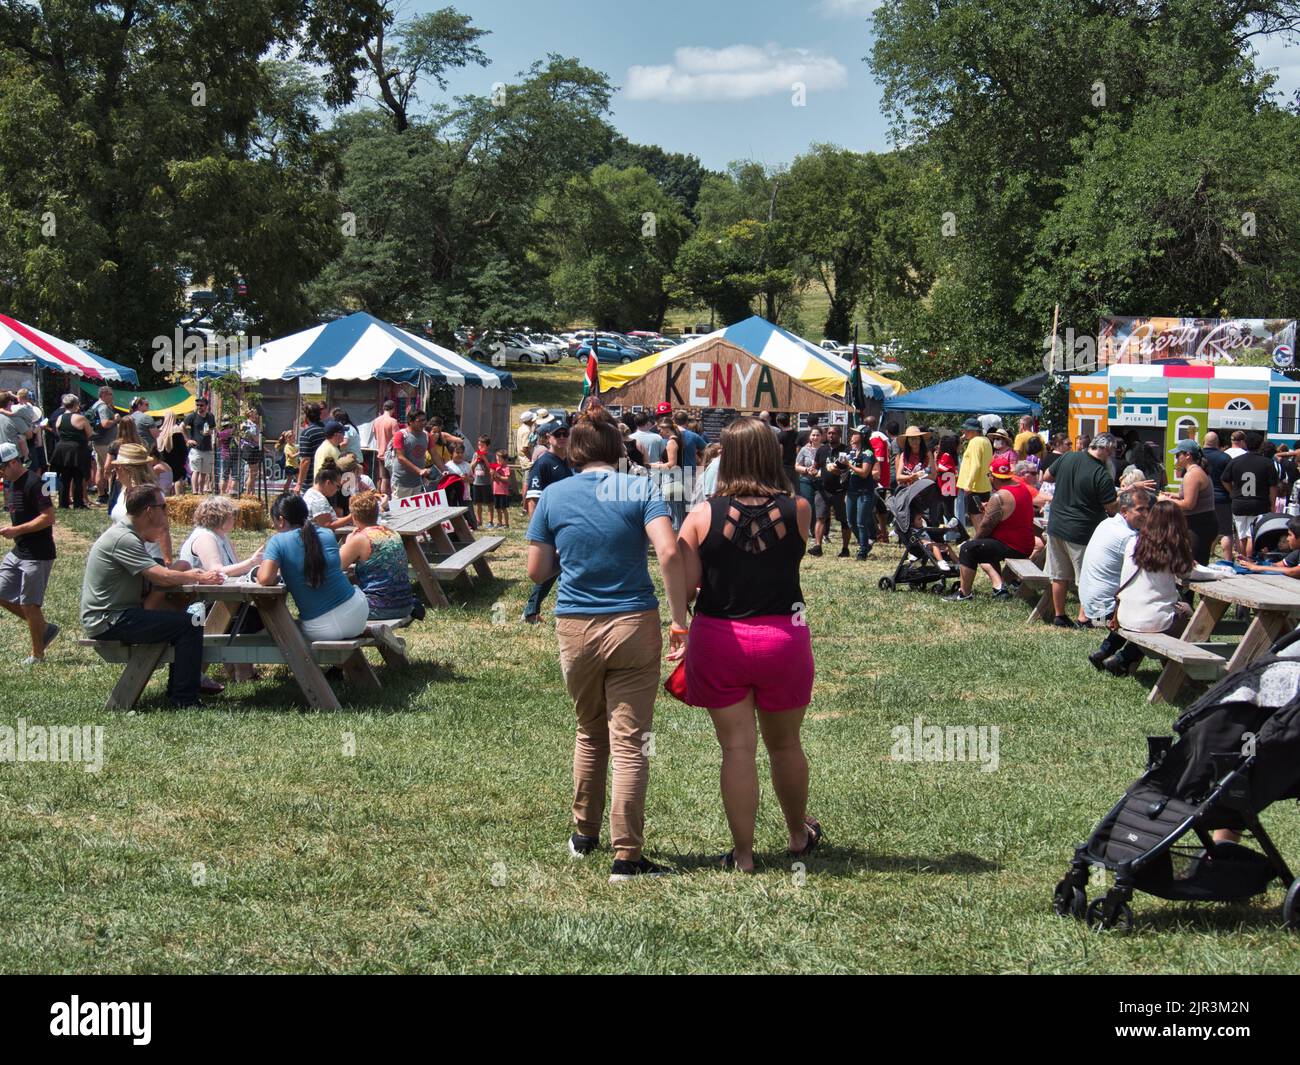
x=1266 y=534
x=1237 y=751
x=918 y=568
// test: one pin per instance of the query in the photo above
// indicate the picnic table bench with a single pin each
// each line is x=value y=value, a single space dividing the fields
x=281 y=644
x=434 y=555
x=1272 y=599
x=1034 y=587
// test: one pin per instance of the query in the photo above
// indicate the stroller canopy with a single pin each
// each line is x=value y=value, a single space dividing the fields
x=920 y=496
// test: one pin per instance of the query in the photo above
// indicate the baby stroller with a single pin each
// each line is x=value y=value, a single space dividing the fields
x=1237 y=751
x=1266 y=534
x=918 y=568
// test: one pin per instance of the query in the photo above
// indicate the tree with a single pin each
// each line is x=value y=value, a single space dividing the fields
x=424 y=47
x=109 y=111
x=614 y=236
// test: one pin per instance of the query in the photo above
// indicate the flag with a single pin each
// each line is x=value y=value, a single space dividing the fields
x=591 y=381
x=857 y=395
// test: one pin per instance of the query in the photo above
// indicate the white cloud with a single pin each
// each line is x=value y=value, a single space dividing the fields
x=847 y=8
x=1283 y=57
x=738 y=72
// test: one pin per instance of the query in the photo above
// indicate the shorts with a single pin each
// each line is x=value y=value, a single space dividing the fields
x=1242 y=524
x=827 y=503
x=202 y=461
x=249 y=455
x=480 y=493
x=101 y=453
x=986 y=549
x=770 y=656
x=1064 y=559
x=1223 y=516
x=23 y=580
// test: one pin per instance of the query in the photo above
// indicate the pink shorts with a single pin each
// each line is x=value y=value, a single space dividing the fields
x=770 y=656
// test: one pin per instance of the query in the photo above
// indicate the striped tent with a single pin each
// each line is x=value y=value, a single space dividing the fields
x=361 y=347
x=770 y=344
x=25 y=343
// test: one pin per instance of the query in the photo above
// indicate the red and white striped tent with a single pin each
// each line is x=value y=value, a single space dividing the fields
x=25 y=343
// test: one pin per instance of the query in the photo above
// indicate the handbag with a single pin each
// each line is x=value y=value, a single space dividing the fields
x=675 y=684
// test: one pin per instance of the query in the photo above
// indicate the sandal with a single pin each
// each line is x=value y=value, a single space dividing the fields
x=728 y=862
x=814 y=838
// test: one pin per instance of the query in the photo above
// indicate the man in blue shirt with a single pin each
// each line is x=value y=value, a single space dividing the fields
x=549 y=466
x=693 y=444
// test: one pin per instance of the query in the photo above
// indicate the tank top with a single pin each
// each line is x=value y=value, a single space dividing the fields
x=1017 y=531
x=1204 y=501
x=69 y=433
x=382 y=576
x=750 y=567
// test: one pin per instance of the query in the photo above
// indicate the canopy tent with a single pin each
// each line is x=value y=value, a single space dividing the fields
x=770 y=344
x=963 y=395
x=1031 y=387
x=362 y=348
x=166 y=401
x=24 y=343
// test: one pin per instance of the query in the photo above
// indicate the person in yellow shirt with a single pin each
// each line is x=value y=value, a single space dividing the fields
x=1024 y=436
x=973 y=476
x=331 y=447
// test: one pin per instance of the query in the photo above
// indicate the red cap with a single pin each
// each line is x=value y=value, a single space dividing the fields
x=1002 y=467
x=663 y=408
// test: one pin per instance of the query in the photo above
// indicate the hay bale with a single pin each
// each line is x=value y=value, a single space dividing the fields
x=250 y=514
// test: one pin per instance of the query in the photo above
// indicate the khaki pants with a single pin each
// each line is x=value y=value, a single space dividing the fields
x=611 y=668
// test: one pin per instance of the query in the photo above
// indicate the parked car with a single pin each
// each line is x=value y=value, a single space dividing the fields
x=510 y=347
x=608 y=350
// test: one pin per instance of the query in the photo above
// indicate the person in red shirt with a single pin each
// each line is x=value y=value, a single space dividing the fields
x=946 y=465
x=1005 y=530
x=879 y=444
x=501 y=491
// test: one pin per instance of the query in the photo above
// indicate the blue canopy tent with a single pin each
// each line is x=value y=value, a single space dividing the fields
x=963 y=395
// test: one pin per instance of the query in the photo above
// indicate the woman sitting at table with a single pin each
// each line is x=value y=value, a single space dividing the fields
x=209 y=548
x=379 y=556
x=307 y=556
x=1148 y=596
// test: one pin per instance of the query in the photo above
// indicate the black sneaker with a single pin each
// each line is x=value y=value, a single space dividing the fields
x=1117 y=667
x=863 y=552
x=622 y=870
x=580 y=846
x=815 y=550
x=844 y=552
x=1098 y=659
x=959 y=597
x=1001 y=593
x=1062 y=622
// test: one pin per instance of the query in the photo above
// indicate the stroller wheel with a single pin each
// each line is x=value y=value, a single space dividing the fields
x=885 y=584
x=940 y=588
x=1070 y=901
x=1291 y=907
x=1123 y=918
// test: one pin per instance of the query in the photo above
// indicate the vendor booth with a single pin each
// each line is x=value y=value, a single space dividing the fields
x=963 y=395
x=743 y=369
x=358 y=362
x=30 y=358
x=1168 y=402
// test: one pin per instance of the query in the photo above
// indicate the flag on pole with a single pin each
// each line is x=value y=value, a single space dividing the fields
x=857 y=395
x=591 y=382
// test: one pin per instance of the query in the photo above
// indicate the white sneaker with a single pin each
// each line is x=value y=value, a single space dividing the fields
x=944 y=566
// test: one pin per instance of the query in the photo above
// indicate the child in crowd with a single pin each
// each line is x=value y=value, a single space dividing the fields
x=501 y=490
x=945 y=466
x=942 y=557
x=456 y=489
x=1290 y=566
x=480 y=472
x=163 y=470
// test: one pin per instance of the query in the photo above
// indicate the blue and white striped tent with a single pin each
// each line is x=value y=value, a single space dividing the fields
x=361 y=347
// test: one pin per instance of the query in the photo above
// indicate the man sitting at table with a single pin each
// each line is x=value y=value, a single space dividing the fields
x=124 y=589
x=1103 y=561
x=1289 y=566
x=1003 y=529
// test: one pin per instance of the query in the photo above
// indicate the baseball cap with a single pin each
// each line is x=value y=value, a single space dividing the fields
x=1002 y=467
x=332 y=427
x=8 y=452
x=527 y=416
x=1191 y=447
x=663 y=408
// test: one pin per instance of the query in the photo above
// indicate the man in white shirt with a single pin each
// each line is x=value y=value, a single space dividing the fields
x=1103 y=560
x=1238 y=445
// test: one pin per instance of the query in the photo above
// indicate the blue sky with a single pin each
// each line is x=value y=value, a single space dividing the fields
x=712 y=77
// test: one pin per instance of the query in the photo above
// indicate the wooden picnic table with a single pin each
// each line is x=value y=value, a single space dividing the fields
x=282 y=643
x=1272 y=599
x=456 y=552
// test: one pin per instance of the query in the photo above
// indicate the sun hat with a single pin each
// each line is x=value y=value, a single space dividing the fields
x=131 y=455
x=542 y=414
x=345 y=463
x=1002 y=469
x=972 y=425
x=913 y=430
x=998 y=434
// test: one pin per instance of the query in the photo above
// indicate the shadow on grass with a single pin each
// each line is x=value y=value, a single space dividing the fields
x=832 y=860
x=1262 y=916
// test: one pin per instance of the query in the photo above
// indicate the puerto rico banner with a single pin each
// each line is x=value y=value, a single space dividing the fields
x=1242 y=341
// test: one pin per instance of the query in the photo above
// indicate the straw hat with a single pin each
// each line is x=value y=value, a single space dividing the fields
x=913 y=430
x=131 y=455
x=998 y=434
x=346 y=462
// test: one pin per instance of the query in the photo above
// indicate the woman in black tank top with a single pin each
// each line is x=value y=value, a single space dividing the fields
x=749 y=645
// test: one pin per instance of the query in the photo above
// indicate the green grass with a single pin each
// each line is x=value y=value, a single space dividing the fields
x=386 y=860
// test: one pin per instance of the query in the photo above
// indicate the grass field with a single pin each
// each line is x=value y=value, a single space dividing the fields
x=244 y=837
